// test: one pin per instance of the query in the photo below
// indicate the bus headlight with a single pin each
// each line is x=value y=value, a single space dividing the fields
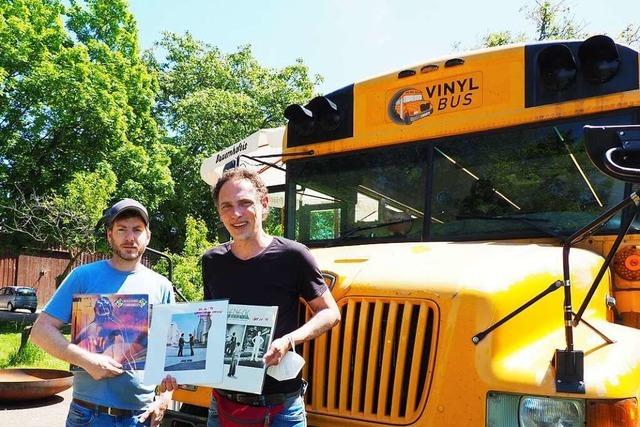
x=545 y=411
x=508 y=410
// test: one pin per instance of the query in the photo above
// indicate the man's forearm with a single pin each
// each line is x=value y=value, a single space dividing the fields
x=51 y=340
x=320 y=323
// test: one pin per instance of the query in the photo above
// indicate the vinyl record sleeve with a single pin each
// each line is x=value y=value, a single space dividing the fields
x=186 y=341
x=115 y=325
x=249 y=332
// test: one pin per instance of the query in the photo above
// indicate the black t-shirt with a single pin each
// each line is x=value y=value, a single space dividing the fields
x=279 y=275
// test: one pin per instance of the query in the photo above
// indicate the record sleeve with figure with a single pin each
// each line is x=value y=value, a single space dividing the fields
x=115 y=325
x=249 y=333
x=186 y=341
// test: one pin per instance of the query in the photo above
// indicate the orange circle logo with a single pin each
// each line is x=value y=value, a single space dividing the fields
x=626 y=263
x=632 y=262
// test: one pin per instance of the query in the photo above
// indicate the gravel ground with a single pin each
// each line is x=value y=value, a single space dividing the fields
x=51 y=411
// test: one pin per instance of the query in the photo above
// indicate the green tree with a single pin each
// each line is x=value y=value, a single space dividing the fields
x=553 y=20
x=66 y=219
x=74 y=94
x=209 y=100
x=500 y=38
x=187 y=268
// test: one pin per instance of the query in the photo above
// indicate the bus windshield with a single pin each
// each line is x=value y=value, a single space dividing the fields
x=532 y=181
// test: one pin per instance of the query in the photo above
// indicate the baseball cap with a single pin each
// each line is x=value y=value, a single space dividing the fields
x=110 y=214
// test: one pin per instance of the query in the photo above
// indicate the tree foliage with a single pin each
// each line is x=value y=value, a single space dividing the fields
x=63 y=220
x=75 y=95
x=631 y=35
x=209 y=100
x=187 y=267
x=552 y=20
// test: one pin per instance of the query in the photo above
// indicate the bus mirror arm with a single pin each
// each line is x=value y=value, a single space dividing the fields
x=569 y=363
x=170 y=273
x=259 y=160
x=481 y=335
x=633 y=199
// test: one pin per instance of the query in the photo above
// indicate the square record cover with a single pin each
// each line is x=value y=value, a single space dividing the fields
x=186 y=340
x=115 y=325
x=248 y=335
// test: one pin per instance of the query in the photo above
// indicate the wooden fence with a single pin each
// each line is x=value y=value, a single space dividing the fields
x=39 y=269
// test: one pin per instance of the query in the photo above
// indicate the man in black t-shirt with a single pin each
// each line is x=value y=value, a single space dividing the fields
x=258 y=269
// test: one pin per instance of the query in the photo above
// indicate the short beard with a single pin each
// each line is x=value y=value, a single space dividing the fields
x=126 y=256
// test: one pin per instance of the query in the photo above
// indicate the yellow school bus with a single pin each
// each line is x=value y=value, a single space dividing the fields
x=442 y=203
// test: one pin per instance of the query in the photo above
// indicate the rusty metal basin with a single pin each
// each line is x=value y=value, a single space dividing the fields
x=31 y=384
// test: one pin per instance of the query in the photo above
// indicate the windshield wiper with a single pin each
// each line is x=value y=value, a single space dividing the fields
x=530 y=221
x=354 y=230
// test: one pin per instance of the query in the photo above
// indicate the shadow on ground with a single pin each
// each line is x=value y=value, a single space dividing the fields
x=52 y=400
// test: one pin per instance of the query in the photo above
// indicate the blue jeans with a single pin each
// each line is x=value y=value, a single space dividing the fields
x=293 y=414
x=81 y=416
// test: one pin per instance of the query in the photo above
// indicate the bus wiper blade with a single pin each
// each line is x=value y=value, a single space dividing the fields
x=523 y=219
x=373 y=227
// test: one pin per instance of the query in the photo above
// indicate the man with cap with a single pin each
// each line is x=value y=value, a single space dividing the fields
x=103 y=393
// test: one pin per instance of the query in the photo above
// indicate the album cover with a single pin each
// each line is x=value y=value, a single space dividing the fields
x=248 y=335
x=115 y=325
x=186 y=341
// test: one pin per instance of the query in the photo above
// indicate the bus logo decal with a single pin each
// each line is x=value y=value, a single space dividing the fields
x=409 y=105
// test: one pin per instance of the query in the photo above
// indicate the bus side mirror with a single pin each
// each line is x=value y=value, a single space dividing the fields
x=599 y=59
x=615 y=150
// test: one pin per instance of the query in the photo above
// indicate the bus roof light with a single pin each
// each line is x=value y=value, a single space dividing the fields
x=557 y=67
x=453 y=62
x=599 y=59
x=406 y=73
x=429 y=68
x=301 y=119
x=326 y=113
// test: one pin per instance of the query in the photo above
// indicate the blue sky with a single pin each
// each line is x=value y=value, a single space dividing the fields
x=187 y=322
x=350 y=40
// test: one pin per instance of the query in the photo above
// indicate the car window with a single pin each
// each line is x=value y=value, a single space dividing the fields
x=26 y=292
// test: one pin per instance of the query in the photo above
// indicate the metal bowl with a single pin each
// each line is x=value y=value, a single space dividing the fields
x=30 y=384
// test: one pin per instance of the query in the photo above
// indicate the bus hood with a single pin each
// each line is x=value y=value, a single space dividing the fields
x=472 y=286
x=443 y=270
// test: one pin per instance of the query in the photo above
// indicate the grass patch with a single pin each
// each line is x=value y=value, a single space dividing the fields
x=30 y=357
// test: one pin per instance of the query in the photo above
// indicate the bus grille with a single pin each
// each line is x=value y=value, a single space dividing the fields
x=376 y=364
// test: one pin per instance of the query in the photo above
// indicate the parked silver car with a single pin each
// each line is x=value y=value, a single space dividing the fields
x=14 y=297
